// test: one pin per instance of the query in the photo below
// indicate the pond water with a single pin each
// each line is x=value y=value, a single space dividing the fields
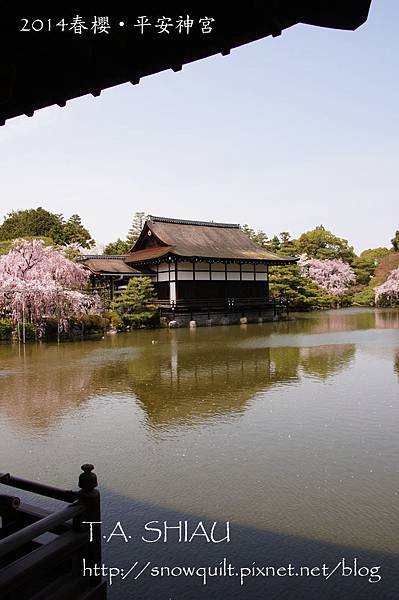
x=288 y=430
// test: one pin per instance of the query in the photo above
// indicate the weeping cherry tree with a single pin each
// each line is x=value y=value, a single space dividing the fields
x=387 y=294
x=39 y=283
x=333 y=275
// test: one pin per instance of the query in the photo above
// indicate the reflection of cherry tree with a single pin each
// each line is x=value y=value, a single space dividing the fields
x=334 y=275
x=386 y=319
x=388 y=292
x=37 y=282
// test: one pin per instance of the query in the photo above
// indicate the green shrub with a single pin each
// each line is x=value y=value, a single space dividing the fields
x=6 y=329
x=145 y=318
x=365 y=297
x=87 y=324
x=30 y=331
x=115 y=319
x=93 y=323
x=344 y=300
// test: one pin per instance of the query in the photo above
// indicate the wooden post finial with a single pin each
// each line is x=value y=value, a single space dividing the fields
x=87 y=479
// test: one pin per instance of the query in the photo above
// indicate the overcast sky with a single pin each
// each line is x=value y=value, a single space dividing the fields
x=284 y=134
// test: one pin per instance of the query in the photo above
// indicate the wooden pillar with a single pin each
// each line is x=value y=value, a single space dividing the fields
x=177 y=291
x=172 y=283
x=172 y=291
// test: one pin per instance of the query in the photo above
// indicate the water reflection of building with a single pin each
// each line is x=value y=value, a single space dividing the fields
x=178 y=381
x=323 y=361
x=209 y=384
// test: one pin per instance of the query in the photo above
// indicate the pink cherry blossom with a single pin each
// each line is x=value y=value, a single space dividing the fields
x=333 y=275
x=37 y=282
x=388 y=292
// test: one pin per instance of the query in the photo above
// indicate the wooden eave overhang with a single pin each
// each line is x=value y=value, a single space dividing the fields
x=147 y=255
x=110 y=266
x=168 y=255
x=286 y=260
x=44 y=68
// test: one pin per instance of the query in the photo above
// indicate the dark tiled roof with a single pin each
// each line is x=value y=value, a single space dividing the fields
x=202 y=240
x=149 y=253
x=84 y=257
x=188 y=222
x=109 y=266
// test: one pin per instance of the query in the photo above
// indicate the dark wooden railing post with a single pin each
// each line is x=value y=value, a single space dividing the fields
x=90 y=497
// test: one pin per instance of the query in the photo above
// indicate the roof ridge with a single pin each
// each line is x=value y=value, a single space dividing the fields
x=101 y=256
x=155 y=219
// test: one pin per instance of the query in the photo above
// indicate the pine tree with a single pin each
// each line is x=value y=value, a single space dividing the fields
x=286 y=245
x=135 y=229
x=288 y=285
x=321 y=243
x=258 y=237
x=117 y=248
x=136 y=303
x=76 y=233
x=395 y=242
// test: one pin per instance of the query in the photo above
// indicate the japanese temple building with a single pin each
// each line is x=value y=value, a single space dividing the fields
x=201 y=271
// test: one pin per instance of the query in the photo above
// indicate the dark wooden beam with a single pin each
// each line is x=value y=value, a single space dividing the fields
x=42 y=68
